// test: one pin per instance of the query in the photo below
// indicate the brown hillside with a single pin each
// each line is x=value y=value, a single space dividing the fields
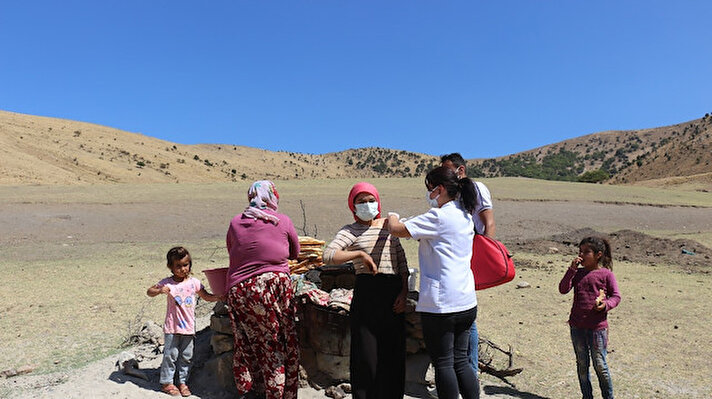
x=42 y=150
x=671 y=155
x=686 y=151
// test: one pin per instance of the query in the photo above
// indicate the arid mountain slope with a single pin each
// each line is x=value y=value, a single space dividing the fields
x=41 y=150
x=631 y=156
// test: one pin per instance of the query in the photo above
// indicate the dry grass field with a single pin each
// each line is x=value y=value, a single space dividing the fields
x=76 y=262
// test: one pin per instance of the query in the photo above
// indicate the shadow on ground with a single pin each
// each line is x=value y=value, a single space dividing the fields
x=513 y=392
x=151 y=385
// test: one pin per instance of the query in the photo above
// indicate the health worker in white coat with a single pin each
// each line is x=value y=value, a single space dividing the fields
x=447 y=301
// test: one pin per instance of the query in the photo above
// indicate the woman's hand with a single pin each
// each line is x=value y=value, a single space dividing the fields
x=368 y=262
x=399 y=304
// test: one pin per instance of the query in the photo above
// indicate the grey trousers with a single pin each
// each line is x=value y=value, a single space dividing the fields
x=177 y=353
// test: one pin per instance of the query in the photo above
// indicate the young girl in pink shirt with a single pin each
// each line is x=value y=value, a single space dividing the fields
x=595 y=293
x=179 y=326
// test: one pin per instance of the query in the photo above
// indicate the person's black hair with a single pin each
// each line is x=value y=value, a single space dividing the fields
x=177 y=253
x=455 y=158
x=600 y=244
x=448 y=179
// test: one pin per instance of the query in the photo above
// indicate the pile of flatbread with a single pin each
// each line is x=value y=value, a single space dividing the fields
x=311 y=254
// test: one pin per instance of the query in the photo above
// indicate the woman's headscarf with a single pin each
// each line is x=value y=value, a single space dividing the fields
x=359 y=188
x=262 y=195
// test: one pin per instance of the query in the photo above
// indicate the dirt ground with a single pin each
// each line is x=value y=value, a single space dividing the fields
x=77 y=262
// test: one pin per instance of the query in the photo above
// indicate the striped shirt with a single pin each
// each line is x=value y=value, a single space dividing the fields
x=386 y=250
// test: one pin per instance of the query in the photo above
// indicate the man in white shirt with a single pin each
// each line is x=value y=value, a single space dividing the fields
x=484 y=213
x=483 y=216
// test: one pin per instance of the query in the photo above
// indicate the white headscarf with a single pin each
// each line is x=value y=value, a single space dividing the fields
x=262 y=195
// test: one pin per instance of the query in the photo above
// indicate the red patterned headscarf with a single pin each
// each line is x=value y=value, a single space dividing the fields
x=359 y=188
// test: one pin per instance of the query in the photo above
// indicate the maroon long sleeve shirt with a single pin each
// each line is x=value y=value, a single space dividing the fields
x=586 y=285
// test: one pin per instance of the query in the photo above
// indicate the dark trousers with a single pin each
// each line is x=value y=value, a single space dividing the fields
x=377 y=338
x=447 y=336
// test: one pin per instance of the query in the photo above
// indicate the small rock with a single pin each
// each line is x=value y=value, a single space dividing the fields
x=303 y=377
x=220 y=308
x=553 y=250
x=220 y=324
x=27 y=369
x=335 y=392
x=523 y=284
x=128 y=364
x=8 y=373
x=221 y=343
x=345 y=386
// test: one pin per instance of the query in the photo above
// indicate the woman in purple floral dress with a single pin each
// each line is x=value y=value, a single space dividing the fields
x=260 y=296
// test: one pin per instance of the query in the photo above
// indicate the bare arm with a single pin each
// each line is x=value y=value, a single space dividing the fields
x=335 y=253
x=487 y=217
x=157 y=290
x=396 y=228
x=205 y=295
x=565 y=284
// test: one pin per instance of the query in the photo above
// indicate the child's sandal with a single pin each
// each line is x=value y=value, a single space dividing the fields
x=184 y=390
x=171 y=390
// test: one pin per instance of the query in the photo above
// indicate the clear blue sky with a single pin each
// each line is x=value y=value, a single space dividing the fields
x=486 y=78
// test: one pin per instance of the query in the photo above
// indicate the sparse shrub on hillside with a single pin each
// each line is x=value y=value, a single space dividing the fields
x=208 y=163
x=197 y=158
x=475 y=171
x=140 y=164
x=77 y=133
x=380 y=167
x=594 y=176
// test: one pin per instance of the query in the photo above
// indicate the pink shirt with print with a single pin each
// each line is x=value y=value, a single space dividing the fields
x=180 y=312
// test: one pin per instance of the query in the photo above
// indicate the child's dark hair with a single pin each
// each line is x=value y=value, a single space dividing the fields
x=177 y=253
x=453 y=186
x=600 y=244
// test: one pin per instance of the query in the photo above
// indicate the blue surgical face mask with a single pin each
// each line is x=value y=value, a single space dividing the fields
x=433 y=202
x=367 y=210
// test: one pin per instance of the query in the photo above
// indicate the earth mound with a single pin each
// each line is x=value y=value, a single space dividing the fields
x=631 y=246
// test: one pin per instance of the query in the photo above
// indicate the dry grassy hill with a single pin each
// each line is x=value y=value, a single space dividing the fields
x=41 y=150
x=669 y=155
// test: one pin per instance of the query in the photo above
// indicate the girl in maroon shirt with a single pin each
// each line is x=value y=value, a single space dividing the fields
x=595 y=293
